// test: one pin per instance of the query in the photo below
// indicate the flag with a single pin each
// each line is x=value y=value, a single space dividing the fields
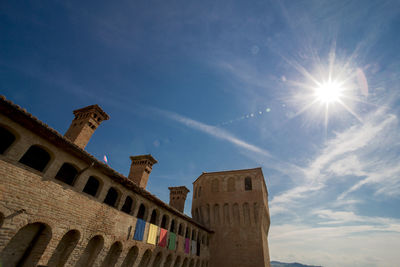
x=105 y=159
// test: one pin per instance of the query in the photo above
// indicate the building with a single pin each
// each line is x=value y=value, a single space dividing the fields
x=59 y=206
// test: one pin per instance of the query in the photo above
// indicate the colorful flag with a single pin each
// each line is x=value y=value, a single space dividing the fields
x=105 y=159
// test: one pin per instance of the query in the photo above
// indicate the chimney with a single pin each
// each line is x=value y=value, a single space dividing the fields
x=177 y=197
x=84 y=124
x=140 y=169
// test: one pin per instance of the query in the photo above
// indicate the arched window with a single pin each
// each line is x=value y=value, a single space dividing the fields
x=145 y=259
x=153 y=217
x=111 y=197
x=36 y=158
x=127 y=207
x=64 y=248
x=247 y=184
x=172 y=228
x=214 y=185
x=6 y=139
x=141 y=212
x=67 y=174
x=91 y=187
x=177 y=262
x=164 y=221
x=231 y=184
x=157 y=260
x=168 y=261
x=180 y=230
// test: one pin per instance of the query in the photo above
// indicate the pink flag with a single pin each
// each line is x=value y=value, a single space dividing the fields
x=105 y=159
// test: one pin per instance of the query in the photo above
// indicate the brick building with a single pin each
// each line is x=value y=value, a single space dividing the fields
x=59 y=206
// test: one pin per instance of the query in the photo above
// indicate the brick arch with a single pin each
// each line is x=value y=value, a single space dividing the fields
x=154 y=216
x=145 y=260
x=67 y=173
x=142 y=212
x=131 y=257
x=113 y=255
x=27 y=245
x=112 y=197
x=164 y=221
x=91 y=252
x=168 y=261
x=177 y=262
x=128 y=205
x=157 y=260
x=93 y=186
x=185 y=262
x=64 y=248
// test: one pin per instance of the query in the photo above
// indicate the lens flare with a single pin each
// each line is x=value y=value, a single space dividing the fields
x=329 y=92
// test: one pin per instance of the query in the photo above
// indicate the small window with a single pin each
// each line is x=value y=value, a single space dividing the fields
x=36 y=158
x=127 y=207
x=111 y=198
x=141 y=212
x=67 y=174
x=91 y=186
x=6 y=140
x=247 y=184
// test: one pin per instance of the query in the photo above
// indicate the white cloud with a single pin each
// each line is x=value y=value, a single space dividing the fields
x=212 y=131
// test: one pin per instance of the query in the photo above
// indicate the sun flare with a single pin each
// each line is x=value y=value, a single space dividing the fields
x=329 y=92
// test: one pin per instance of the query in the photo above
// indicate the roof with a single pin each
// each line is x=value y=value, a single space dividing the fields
x=27 y=120
x=92 y=107
x=144 y=157
x=228 y=172
x=179 y=188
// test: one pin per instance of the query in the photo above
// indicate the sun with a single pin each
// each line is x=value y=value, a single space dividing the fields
x=329 y=92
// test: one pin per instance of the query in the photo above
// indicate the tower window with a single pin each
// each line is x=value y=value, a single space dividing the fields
x=247 y=184
x=6 y=139
x=36 y=158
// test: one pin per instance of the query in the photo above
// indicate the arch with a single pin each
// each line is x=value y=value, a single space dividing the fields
x=185 y=262
x=7 y=138
x=191 y=264
x=111 y=197
x=214 y=186
x=127 y=207
x=157 y=260
x=227 y=220
x=168 y=261
x=92 y=186
x=199 y=192
x=36 y=158
x=236 y=215
x=247 y=184
x=164 y=221
x=64 y=248
x=91 y=252
x=180 y=229
x=131 y=257
x=153 y=217
x=113 y=255
x=67 y=174
x=145 y=258
x=172 y=227
x=246 y=213
x=27 y=245
x=216 y=214
x=255 y=205
x=1 y=219
x=177 y=262
x=141 y=212
x=231 y=184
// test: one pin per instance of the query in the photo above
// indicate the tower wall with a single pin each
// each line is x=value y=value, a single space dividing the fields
x=239 y=217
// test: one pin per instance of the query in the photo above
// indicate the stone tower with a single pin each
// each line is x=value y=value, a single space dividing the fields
x=141 y=168
x=234 y=204
x=177 y=197
x=84 y=124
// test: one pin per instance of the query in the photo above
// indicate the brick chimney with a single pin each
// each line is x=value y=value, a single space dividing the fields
x=177 y=197
x=84 y=124
x=140 y=169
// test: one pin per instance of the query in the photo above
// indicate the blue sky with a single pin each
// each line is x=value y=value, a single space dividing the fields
x=219 y=85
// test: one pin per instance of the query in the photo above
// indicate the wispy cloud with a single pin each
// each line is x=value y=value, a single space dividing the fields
x=212 y=131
